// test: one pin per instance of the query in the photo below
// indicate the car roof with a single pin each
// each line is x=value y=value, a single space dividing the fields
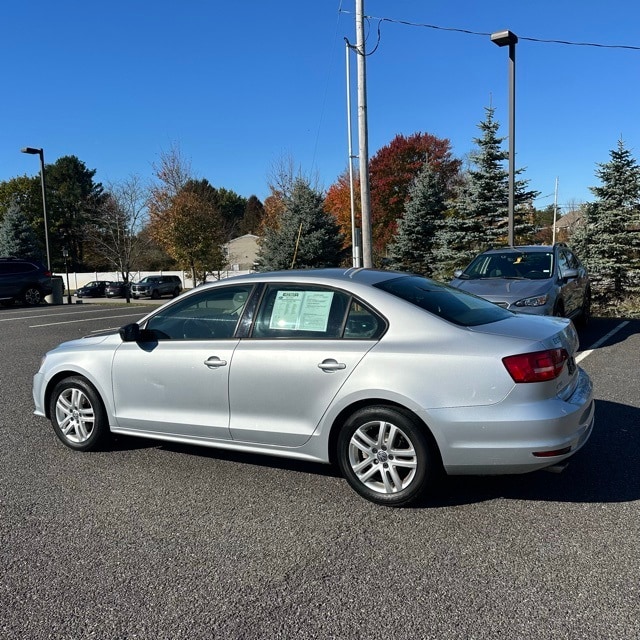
x=329 y=275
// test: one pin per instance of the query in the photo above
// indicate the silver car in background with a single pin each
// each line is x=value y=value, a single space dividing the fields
x=537 y=279
x=392 y=376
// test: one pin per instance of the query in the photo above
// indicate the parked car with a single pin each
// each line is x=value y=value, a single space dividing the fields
x=93 y=289
x=543 y=280
x=23 y=279
x=156 y=286
x=391 y=375
x=116 y=290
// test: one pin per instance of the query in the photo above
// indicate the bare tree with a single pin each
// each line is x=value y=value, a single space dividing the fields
x=173 y=172
x=114 y=231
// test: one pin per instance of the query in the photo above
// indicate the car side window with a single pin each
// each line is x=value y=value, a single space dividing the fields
x=563 y=263
x=363 y=324
x=298 y=311
x=211 y=315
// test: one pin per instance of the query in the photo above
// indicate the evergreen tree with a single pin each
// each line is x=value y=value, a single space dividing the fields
x=413 y=249
x=252 y=218
x=607 y=240
x=305 y=235
x=17 y=238
x=482 y=203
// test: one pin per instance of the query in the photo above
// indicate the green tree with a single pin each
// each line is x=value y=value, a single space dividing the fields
x=24 y=191
x=17 y=238
x=607 y=240
x=306 y=236
x=483 y=196
x=73 y=199
x=252 y=217
x=413 y=249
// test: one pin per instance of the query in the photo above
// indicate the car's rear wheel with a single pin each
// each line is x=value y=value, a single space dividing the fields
x=176 y=292
x=77 y=414
x=32 y=296
x=385 y=456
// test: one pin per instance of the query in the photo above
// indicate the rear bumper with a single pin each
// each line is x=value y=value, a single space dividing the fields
x=503 y=439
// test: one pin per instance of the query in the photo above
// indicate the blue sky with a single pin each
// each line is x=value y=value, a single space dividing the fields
x=240 y=85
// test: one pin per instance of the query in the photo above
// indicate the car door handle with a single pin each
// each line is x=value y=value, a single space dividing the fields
x=214 y=362
x=332 y=365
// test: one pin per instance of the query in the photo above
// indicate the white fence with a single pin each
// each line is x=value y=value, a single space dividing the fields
x=77 y=280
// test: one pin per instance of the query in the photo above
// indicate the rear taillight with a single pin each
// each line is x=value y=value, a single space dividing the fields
x=536 y=367
x=48 y=274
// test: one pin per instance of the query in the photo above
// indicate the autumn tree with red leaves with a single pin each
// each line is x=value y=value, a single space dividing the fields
x=392 y=171
x=337 y=202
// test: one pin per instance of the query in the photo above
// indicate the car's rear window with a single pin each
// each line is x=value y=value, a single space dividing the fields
x=450 y=304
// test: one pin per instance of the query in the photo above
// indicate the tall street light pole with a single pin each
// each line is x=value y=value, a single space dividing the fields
x=502 y=39
x=40 y=152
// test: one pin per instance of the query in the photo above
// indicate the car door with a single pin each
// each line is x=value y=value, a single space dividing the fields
x=287 y=372
x=572 y=286
x=177 y=383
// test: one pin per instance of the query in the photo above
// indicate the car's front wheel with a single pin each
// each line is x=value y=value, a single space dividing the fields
x=77 y=414
x=385 y=456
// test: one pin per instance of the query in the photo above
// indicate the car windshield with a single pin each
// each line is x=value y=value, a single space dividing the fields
x=450 y=304
x=527 y=265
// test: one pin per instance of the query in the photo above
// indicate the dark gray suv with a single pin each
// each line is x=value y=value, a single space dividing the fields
x=23 y=279
x=156 y=286
x=543 y=280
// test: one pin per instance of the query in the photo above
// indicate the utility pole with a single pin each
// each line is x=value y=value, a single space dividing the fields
x=363 y=139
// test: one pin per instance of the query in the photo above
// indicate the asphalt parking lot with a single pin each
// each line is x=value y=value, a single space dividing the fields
x=152 y=540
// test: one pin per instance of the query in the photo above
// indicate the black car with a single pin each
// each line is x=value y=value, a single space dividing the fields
x=93 y=289
x=23 y=279
x=116 y=290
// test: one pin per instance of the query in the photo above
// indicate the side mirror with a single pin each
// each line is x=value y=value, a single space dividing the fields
x=130 y=332
x=570 y=274
x=457 y=273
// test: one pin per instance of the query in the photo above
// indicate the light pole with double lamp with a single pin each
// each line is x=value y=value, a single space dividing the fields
x=40 y=152
x=502 y=39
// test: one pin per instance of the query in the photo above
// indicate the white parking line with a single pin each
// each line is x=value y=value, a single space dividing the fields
x=52 y=324
x=55 y=315
x=602 y=340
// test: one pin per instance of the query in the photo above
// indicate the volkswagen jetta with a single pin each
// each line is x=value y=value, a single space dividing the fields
x=392 y=376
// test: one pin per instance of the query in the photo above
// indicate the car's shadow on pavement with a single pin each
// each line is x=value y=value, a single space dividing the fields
x=604 y=470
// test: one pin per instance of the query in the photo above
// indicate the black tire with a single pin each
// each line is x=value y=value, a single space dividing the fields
x=32 y=296
x=385 y=456
x=77 y=414
x=558 y=310
x=155 y=294
x=176 y=292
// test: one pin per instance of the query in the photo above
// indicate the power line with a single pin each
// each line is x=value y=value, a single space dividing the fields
x=470 y=32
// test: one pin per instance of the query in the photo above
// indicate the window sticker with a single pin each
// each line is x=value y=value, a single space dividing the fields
x=301 y=310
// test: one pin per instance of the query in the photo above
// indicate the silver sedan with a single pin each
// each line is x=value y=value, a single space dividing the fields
x=391 y=376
